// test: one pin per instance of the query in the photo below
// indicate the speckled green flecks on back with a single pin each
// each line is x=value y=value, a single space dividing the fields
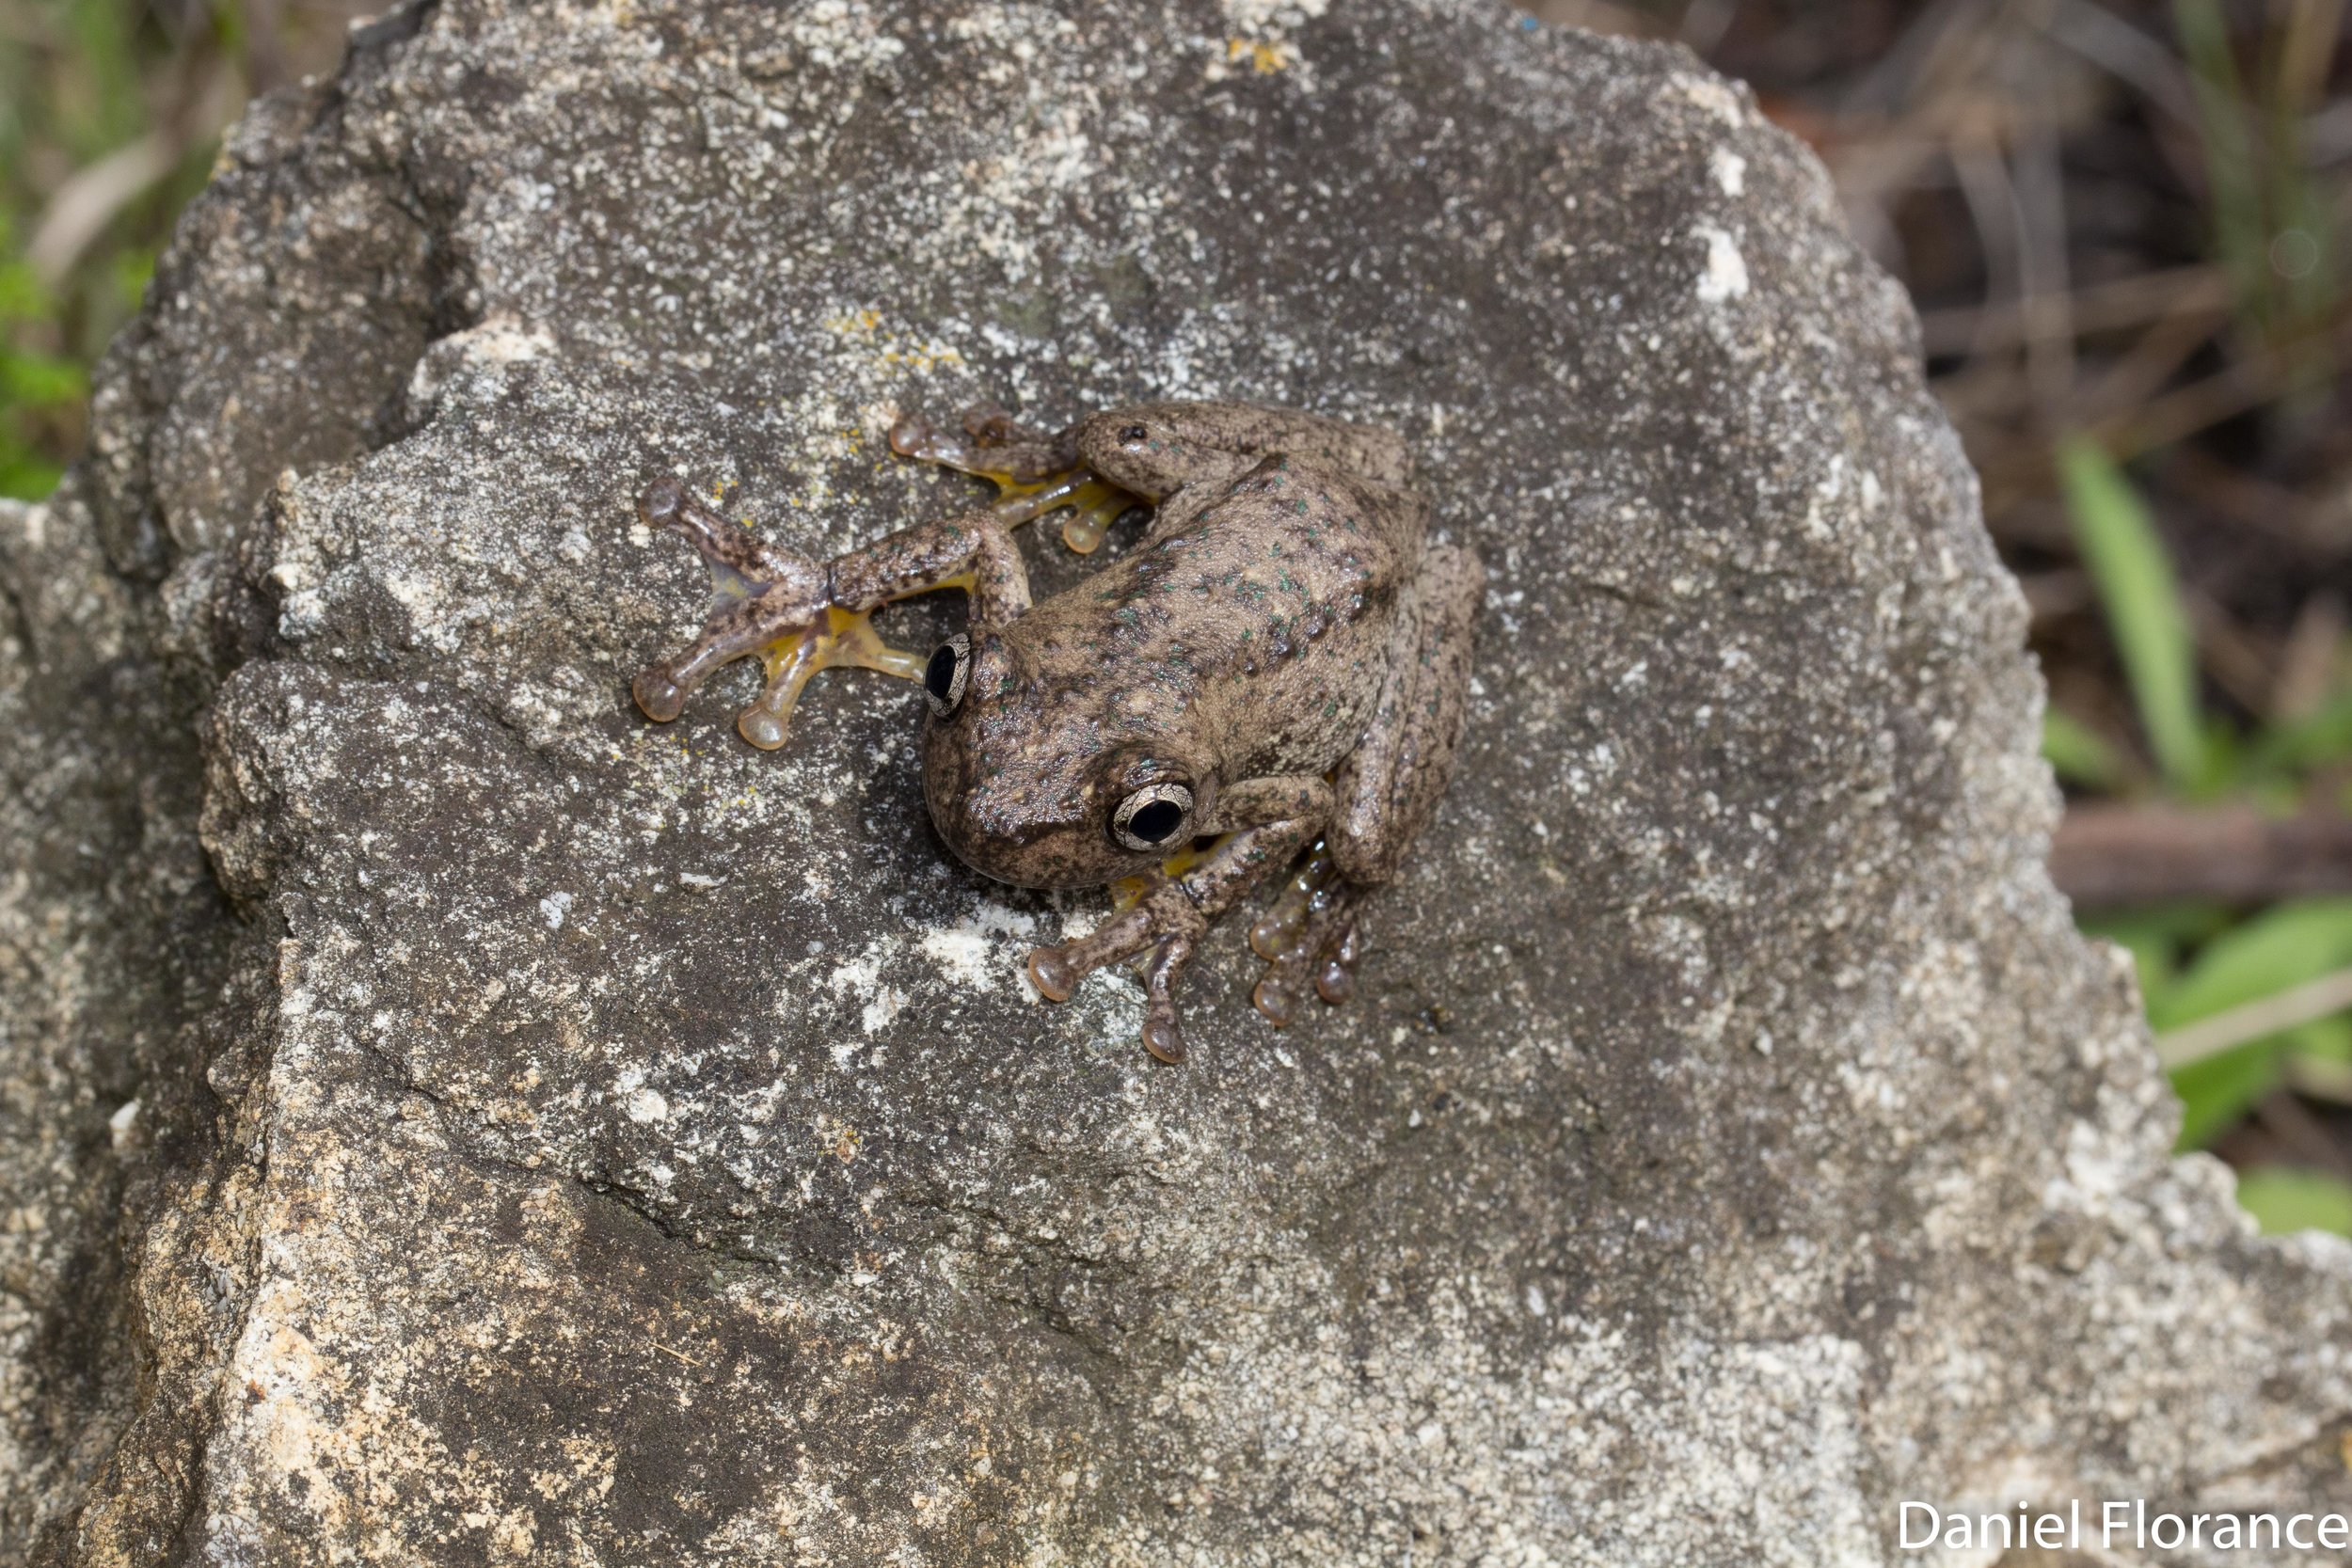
x=449 y=1121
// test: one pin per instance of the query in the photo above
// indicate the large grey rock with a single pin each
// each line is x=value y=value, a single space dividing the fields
x=517 y=1133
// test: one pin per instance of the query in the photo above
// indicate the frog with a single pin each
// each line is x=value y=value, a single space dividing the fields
x=1268 y=686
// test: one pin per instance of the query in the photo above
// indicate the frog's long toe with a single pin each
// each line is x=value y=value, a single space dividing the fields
x=992 y=444
x=1163 y=1035
x=662 y=687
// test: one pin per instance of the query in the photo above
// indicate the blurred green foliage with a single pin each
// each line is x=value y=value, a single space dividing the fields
x=2276 y=229
x=2141 y=594
x=2284 y=1198
x=79 y=80
x=2196 y=963
x=39 y=388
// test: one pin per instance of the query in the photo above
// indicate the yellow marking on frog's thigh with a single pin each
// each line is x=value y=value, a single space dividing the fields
x=1127 y=891
x=1094 y=504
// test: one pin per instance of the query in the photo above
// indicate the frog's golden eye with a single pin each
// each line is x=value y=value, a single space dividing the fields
x=1153 y=817
x=951 y=665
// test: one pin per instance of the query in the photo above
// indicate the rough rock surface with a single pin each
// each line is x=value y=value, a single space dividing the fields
x=449 y=1121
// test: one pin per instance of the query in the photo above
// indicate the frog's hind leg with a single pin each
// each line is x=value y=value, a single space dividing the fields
x=1389 y=787
x=764 y=600
x=1034 y=473
x=992 y=444
x=1386 y=791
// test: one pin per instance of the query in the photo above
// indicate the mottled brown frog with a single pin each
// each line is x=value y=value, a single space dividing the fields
x=1278 y=667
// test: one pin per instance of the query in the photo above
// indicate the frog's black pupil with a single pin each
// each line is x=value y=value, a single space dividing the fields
x=938 y=676
x=1133 y=433
x=1155 y=821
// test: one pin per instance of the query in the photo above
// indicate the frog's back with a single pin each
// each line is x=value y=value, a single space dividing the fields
x=1259 y=630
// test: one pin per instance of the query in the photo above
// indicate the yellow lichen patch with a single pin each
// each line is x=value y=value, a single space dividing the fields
x=1265 y=58
x=928 y=357
x=923 y=356
x=856 y=324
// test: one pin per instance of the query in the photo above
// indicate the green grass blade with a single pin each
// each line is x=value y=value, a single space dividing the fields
x=2232 y=175
x=2277 y=950
x=2141 y=597
x=2283 y=1198
x=2215 y=1093
x=2078 y=754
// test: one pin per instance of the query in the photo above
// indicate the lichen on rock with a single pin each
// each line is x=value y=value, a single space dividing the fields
x=451 y=1120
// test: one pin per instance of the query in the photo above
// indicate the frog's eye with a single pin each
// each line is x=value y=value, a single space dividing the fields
x=1134 y=435
x=944 y=676
x=1153 y=817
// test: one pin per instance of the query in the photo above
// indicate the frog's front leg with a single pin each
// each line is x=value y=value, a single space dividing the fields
x=1270 y=820
x=801 y=617
x=1386 y=790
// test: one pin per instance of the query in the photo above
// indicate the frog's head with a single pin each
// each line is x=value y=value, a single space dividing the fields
x=1150 y=448
x=1024 y=787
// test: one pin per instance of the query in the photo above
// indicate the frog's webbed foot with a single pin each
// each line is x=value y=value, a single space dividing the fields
x=765 y=600
x=1166 y=923
x=1308 y=940
x=1034 y=472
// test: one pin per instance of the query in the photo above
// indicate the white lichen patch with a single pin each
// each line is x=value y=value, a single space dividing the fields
x=1714 y=95
x=1729 y=170
x=1725 y=275
x=983 y=950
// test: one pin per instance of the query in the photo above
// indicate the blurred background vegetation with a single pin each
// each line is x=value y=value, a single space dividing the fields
x=2125 y=226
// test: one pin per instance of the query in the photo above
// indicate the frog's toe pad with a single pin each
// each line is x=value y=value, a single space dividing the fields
x=761 y=728
x=1053 y=973
x=1162 y=1035
x=658 y=697
x=1319 y=956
